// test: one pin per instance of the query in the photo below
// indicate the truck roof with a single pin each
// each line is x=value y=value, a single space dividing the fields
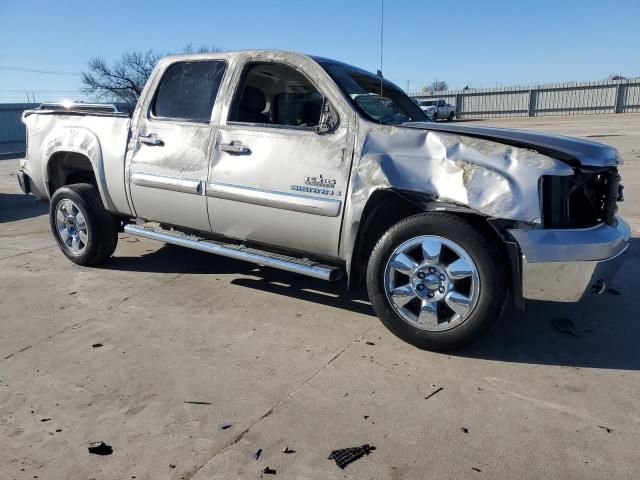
x=238 y=53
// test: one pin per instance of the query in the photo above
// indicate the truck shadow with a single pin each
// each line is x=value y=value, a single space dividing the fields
x=606 y=327
x=17 y=206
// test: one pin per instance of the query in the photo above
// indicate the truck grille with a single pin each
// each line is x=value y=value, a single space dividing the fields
x=581 y=200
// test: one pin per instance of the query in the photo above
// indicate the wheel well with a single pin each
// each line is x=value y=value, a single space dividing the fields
x=65 y=168
x=385 y=208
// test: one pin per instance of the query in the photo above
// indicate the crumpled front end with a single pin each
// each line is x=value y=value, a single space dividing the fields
x=494 y=179
x=562 y=217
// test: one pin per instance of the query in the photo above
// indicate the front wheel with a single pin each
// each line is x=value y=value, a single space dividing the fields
x=84 y=230
x=451 y=116
x=435 y=281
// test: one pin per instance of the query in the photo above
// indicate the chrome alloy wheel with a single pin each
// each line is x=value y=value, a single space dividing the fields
x=71 y=227
x=432 y=283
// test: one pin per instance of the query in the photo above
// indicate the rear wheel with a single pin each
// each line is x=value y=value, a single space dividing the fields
x=435 y=281
x=85 y=232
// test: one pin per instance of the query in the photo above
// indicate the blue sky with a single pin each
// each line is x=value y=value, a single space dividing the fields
x=479 y=43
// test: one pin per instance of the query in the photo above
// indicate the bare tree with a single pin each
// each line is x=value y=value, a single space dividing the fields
x=188 y=48
x=436 y=86
x=124 y=79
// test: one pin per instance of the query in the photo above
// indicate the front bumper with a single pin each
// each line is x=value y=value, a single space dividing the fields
x=562 y=265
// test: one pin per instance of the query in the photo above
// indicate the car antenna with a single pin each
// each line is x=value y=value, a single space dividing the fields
x=381 y=50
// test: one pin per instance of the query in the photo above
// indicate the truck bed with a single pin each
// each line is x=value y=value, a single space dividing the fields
x=101 y=136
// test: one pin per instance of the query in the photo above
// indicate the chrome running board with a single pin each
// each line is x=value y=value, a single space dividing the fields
x=239 y=252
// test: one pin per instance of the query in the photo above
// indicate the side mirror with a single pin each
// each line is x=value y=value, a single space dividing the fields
x=329 y=119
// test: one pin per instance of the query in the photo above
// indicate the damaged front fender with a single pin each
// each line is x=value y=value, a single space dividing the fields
x=490 y=178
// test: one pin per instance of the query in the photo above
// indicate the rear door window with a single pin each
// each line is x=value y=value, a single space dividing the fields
x=188 y=91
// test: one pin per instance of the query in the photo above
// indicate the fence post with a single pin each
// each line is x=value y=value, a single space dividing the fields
x=616 y=105
x=458 y=105
x=533 y=99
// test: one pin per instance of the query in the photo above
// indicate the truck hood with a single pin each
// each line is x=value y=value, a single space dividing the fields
x=574 y=151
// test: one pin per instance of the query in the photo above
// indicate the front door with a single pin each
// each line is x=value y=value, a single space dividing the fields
x=280 y=166
x=170 y=160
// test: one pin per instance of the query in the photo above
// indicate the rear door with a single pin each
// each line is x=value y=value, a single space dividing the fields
x=276 y=177
x=170 y=160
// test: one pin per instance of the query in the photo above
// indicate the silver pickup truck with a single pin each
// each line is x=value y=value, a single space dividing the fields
x=319 y=168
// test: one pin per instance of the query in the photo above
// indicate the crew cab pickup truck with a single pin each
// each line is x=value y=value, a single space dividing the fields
x=323 y=169
x=438 y=109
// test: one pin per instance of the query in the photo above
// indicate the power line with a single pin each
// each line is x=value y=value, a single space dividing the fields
x=30 y=70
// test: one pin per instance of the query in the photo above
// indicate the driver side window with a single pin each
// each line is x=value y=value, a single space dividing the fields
x=278 y=95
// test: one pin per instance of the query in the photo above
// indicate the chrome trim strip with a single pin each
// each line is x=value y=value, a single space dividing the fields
x=238 y=252
x=327 y=207
x=183 y=185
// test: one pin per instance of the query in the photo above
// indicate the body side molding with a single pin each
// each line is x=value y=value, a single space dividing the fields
x=327 y=207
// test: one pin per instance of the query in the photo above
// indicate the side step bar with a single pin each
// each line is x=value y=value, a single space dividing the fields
x=238 y=252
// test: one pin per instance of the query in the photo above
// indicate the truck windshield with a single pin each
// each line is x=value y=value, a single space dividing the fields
x=377 y=99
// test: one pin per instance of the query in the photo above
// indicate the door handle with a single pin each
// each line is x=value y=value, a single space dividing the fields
x=151 y=139
x=236 y=148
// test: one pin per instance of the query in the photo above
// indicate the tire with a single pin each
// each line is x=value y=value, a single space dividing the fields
x=451 y=117
x=86 y=233
x=466 y=251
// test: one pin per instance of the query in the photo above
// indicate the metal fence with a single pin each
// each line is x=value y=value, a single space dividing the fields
x=615 y=96
x=577 y=98
x=12 y=130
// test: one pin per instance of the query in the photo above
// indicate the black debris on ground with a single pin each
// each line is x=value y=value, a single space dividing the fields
x=370 y=343
x=171 y=465
x=45 y=419
x=614 y=291
x=464 y=429
x=476 y=469
x=366 y=416
x=225 y=426
x=565 y=325
x=345 y=456
x=100 y=448
x=192 y=402
x=269 y=471
x=609 y=430
x=288 y=450
x=58 y=430
x=437 y=390
x=96 y=345
x=257 y=453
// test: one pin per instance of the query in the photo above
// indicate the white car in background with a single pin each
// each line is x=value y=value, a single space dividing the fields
x=438 y=109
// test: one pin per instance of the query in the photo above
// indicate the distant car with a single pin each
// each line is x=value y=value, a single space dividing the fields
x=438 y=109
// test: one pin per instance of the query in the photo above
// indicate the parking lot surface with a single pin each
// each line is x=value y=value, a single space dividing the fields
x=187 y=364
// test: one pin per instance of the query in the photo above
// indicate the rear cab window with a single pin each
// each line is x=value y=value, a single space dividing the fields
x=188 y=90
